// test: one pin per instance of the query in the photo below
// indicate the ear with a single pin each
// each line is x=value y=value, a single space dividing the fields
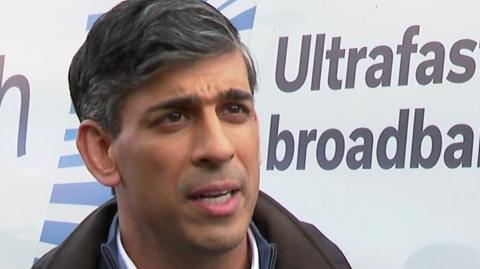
x=94 y=144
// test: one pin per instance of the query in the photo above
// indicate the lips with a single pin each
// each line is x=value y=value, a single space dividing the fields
x=216 y=199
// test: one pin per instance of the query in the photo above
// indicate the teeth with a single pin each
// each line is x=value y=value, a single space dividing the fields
x=214 y=194
x=218 y=198
x=218 y=193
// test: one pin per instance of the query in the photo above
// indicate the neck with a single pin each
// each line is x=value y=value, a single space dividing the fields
x=148 y=254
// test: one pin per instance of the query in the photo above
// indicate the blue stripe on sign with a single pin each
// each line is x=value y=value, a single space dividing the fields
x=70 y=161
x=54 y=232
x=92 y=19
x=226 y=4
x=244 y=20
x=85 y=193
x=72 y=109
x=70 y=134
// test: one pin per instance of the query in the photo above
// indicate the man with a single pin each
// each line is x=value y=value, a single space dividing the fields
x=164 y=92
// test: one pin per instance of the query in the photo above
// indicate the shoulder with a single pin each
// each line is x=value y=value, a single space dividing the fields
x=295 y=238
x=81 y=249
x=45 y=259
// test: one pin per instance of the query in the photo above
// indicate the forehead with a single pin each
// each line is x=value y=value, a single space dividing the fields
x=205 y=78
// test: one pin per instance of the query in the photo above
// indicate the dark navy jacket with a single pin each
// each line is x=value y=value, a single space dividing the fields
x=283 y=241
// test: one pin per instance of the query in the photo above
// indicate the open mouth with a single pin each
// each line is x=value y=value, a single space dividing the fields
x=217 y=200
x=219 y=197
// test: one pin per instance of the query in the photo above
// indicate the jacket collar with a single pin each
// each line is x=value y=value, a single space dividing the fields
x=110 y=248
x=267 y=252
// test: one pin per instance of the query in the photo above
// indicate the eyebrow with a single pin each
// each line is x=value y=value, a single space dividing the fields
x=236 y=95
x=193 y=99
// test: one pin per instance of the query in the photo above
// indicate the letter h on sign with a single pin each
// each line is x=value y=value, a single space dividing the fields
x=20 y=82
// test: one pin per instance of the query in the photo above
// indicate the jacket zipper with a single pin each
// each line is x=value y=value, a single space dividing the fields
x=273 y=257
x=109 y=259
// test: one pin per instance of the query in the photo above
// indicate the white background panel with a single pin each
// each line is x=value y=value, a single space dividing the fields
x=405 y=218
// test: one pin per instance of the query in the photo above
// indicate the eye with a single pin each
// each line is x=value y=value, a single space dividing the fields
x=235 y=108
x=235 y=113
x=174 y=117
x=171 y=121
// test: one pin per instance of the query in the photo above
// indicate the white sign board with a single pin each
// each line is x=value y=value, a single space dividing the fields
x=370 y=125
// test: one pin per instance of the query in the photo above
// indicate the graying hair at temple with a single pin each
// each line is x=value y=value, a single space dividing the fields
x=135 y=41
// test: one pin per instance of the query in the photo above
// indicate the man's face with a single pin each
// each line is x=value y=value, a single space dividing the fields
x=188 y=155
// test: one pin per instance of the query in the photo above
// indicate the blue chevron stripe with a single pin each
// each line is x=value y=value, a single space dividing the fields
x=54 y=232
x=244 y=20
x=226 y=4
x=70 y=134
x=74 y=160
x=92 y=19
x=72 y=109
x=84 y=193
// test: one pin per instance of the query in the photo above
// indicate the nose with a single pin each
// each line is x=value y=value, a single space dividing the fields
x=212 y=146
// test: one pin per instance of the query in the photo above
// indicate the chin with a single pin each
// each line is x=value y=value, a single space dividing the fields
x=220 y=240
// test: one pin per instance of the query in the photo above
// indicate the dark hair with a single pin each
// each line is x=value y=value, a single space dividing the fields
x=136 y=40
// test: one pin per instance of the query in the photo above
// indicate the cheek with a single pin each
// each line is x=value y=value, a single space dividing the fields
x=149 y=162
x=152 y=175
x=164 y=163
x=248 y=149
